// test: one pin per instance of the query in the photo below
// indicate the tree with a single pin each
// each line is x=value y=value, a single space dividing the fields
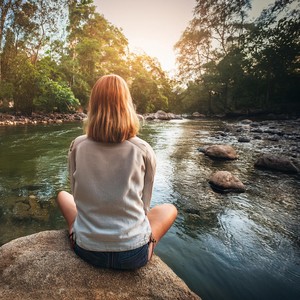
x=47 y=17
x=150 y=88
x=242 y=65
x=52 y=52
x=209 y=47
x=25 y=82
x=15 y=25
x=89 y=32
x=273 y=50
x=218 y=25
x=193 y=51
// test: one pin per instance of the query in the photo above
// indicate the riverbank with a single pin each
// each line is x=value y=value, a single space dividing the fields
x=37 y=118
x=10 y=119
x=58 y=118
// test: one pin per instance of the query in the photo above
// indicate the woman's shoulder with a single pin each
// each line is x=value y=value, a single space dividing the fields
x=143 y=145
x=77 y=141
x=81 y=138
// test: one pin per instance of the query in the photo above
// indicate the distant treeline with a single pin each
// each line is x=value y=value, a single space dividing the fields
x=52 y=52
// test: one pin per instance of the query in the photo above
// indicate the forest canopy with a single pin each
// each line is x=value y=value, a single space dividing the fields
x=52 y=52
x=230 y=63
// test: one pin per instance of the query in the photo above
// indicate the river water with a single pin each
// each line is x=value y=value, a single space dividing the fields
x=224 y=246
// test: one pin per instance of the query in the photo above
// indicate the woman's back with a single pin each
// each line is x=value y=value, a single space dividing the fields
x=110 y=193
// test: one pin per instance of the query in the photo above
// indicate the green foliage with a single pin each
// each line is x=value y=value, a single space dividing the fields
x=6 y=90
x=150 y=88
x=25 y=82
x=52 y=52
x=6 y=95
x=55 y=97
x=238 y=65
x=81 y=90
x=47 y=67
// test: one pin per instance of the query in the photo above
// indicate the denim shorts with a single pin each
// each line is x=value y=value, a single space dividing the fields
x=124 y=260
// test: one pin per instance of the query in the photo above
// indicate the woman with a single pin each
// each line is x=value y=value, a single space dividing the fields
x=111 y=174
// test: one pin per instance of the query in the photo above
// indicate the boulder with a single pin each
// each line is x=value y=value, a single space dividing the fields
x=224 y=181
x=149 y=117
x=161 y=115
x=274 y=138
x=197 y=115
x=221 y=151
x=275 y=162
x=43 y=266
x=243 y=139
x=246 y=121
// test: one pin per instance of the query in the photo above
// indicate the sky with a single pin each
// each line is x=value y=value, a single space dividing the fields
x=154 y=26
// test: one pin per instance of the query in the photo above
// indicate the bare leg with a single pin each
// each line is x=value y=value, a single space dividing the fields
x=68 y=208
x=161 y=218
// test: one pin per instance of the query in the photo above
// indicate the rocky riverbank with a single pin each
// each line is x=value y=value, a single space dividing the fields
x=36 y=118
x=58 y=118
x=7 y=119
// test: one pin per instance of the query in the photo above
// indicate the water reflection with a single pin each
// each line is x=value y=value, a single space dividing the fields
x=224 y=246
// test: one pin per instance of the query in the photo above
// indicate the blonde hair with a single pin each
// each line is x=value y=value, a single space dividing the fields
x=111 y=114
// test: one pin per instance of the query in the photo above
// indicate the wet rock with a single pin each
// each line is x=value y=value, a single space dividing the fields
x=275 y=162
x=225 y=182
x=254 y=124
x=256 y=130
x=273 y=131
x=274 y=138
x=221 y=151
x=192 y=210
x=149 y=117
x=36 y=118
x=21 y=211
x=174 y=116
x=30 y=209
x=197 y=115
x=221 y=133
x=202 y=149
x=161 y=115
x=244 y=139
x=186 y=116
x=42 y=266
x=246 y=121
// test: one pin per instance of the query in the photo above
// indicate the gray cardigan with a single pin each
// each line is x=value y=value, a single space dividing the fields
x=112 y=186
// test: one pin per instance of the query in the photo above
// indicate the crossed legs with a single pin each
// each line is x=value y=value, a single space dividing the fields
x=67 y=207
x=161 y=217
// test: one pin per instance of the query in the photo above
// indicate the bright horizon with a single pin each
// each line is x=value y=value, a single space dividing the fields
x=154 y=27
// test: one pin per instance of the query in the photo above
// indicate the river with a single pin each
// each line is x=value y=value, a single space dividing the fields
x=224 y=246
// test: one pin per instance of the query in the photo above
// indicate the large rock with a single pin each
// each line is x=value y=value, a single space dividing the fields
x=224 y=181
x=221 y=151
x=197 y=115
x=161 y=115
x=275 y=162
x=42 y=266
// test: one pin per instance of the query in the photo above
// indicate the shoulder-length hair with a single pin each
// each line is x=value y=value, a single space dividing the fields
x=111 y=114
